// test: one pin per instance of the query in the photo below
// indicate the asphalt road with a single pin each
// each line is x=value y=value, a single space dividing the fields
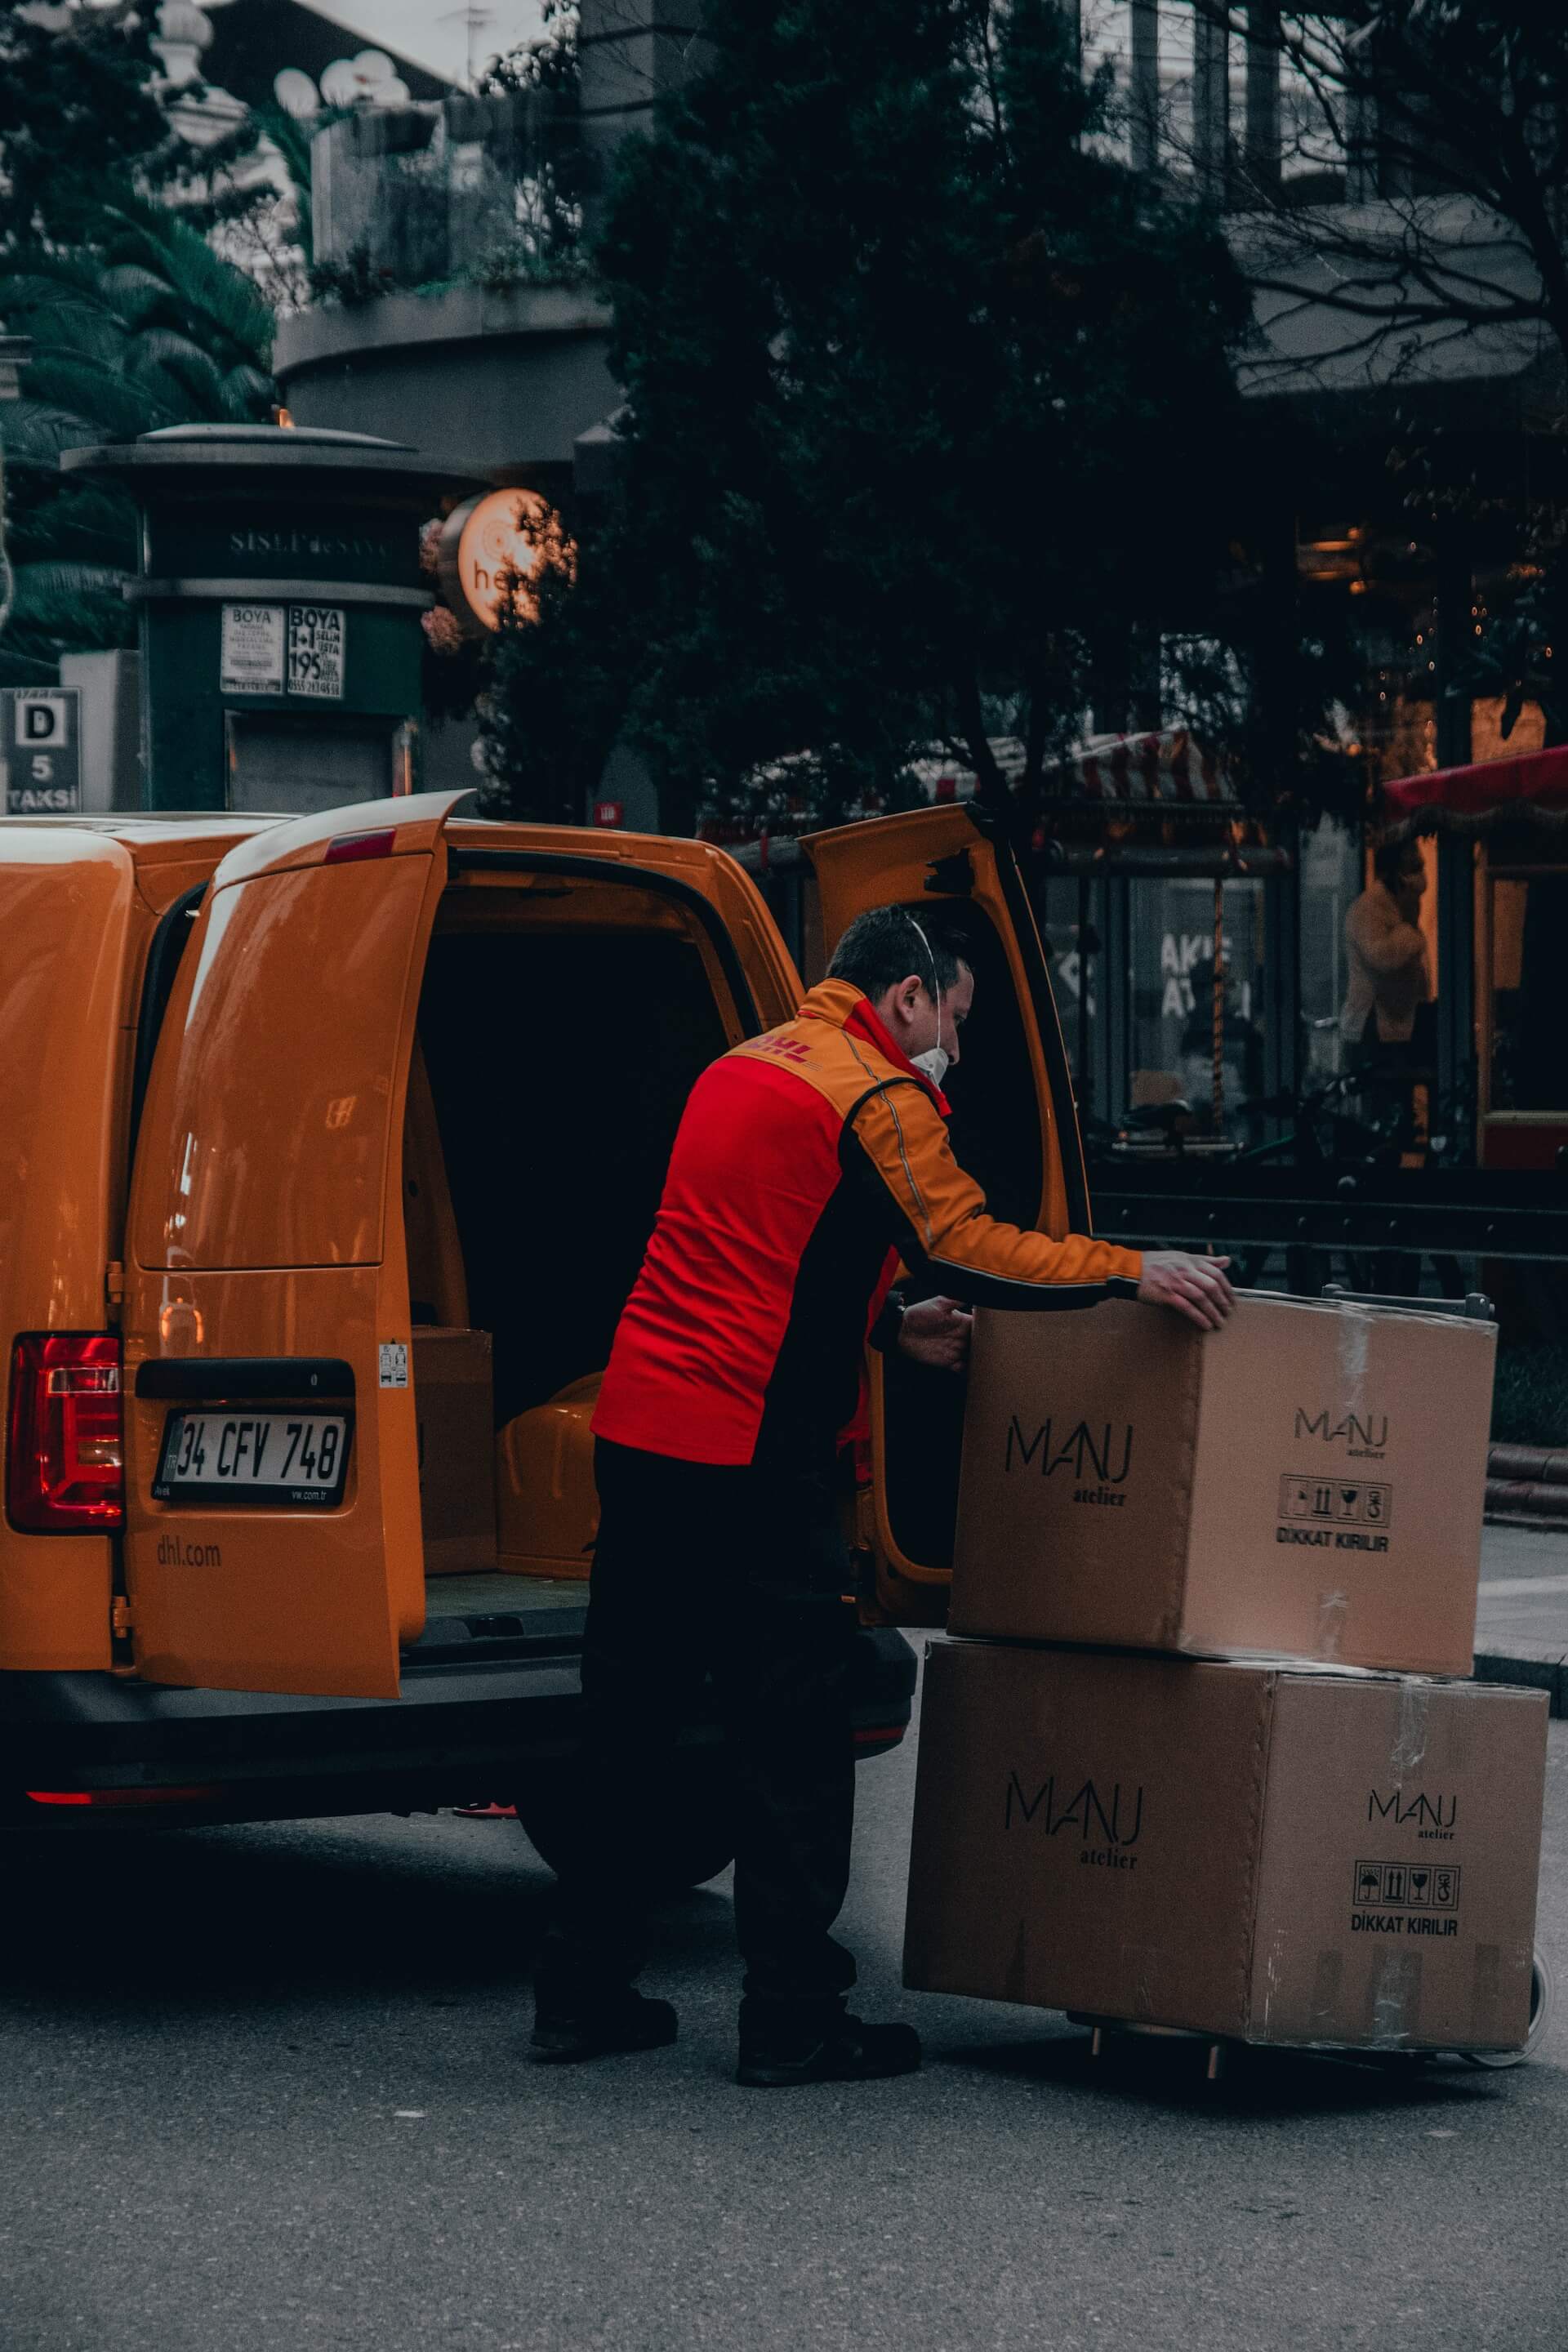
x=266 y=2088
x=1523 y=1604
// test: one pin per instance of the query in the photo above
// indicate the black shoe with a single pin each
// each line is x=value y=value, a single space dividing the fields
x=845 y=2051
x=629 y=2022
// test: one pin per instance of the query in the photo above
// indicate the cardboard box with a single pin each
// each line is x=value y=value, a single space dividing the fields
x=454 y=1402
x=1271 y=1853
x=1307 y=1482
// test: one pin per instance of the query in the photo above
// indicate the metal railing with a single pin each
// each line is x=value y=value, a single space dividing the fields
x=466 y=190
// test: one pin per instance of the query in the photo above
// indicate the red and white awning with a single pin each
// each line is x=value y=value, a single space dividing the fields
x=1167 y=764
x=1166 y=767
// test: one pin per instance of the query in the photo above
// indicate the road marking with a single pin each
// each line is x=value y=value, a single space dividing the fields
x=1521 y=1587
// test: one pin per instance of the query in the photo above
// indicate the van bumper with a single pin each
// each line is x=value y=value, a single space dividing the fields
x=81 y=1746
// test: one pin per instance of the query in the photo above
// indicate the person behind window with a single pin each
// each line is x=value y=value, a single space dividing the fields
x=1390 y=977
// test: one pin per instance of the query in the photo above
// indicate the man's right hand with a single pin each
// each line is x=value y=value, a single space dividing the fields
x=1196 y=1287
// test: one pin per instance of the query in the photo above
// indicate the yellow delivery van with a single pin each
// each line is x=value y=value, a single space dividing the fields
x=329 y=1147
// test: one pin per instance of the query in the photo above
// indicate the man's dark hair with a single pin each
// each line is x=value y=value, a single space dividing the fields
x=1389 y=860
x=882 y=947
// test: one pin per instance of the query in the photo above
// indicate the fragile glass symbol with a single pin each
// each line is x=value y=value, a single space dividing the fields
x=1407 y=1886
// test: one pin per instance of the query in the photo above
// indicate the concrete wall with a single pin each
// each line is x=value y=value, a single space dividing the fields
x=501 y=381
x=633 y=53
x=110 y=686
x=505 y=381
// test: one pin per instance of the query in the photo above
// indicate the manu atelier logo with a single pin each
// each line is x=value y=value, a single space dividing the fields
x=1365 y=1436
x=1099 y=1459
x=1104 y=1829
x=1436 y=1816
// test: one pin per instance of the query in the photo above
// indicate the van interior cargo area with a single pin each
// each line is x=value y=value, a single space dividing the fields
x=509 y=1615
x=562 y=1025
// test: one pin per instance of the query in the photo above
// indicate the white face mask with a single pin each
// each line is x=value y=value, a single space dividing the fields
x=936 y=1061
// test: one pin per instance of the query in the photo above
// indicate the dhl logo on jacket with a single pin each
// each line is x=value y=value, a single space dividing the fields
x=808 y=1162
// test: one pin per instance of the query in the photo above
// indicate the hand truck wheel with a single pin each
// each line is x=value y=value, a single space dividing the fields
x=1542 y=1986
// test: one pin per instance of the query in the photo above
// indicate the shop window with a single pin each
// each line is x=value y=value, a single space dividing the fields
x=1072 y=928
x=1529 y=986
x=1332 y=879
x=1488 y=740
x=1182 y=1004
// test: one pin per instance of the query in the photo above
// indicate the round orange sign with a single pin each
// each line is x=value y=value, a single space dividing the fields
x=491 y=551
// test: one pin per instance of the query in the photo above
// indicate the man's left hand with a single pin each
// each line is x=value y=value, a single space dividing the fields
x=936 y=1332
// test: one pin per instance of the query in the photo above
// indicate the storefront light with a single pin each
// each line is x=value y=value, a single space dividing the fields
x=491 y=550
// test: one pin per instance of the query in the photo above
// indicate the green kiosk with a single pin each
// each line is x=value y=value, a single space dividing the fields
x=280 y=602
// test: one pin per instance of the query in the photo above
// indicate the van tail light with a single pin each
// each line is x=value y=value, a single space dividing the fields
x=349 y=848
x=65 y=1455
x=124 y=1799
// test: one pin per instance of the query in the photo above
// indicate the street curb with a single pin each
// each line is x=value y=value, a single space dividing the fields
x=1548 y=1673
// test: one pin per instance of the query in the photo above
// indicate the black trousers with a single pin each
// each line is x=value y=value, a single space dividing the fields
x=737 y=1575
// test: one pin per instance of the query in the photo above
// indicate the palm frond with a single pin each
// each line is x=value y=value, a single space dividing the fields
x=89 y=337
x=78 y=605
x=38 y=429
x=145 y=327
x=186 y=385
x=38 y=584
x=35 y=275
x=167 y=347
x=210 y=289
x=135 y=292
x=54 y=312
x=82 y=523
x=246 y=394
x=20 y=668
x=111 y=406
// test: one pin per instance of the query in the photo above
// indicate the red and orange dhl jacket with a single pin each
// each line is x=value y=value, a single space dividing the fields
x=809 y=1162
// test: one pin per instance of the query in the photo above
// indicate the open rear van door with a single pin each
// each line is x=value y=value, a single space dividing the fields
x=1015 y=1127
x=273 y=1536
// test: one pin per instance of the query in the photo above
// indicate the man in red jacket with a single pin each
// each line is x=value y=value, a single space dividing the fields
x=809 y=1162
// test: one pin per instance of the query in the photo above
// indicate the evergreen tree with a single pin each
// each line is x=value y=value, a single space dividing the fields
x=1451 y=117
x=76 y=114
x=146 y=327
x=925 y=396
x=135 y=322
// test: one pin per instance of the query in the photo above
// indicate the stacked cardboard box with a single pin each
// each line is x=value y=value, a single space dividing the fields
x=1193 y=1766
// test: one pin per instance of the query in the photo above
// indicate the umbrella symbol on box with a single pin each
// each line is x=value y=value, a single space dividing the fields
x=1369 y=1882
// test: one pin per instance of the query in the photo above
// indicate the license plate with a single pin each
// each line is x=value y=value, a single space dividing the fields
x=271 y=1456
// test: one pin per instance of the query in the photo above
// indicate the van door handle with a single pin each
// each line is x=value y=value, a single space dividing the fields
x=222 y=1377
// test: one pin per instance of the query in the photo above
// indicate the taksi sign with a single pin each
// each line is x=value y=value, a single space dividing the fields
x=40 y=749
